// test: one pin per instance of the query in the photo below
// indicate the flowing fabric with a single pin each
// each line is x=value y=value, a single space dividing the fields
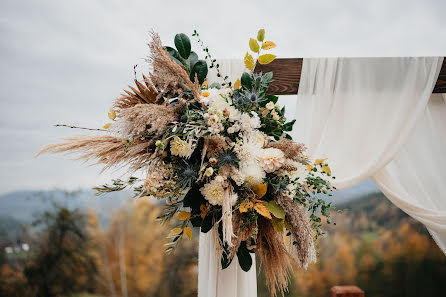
x=212 y=280
x=375 y=117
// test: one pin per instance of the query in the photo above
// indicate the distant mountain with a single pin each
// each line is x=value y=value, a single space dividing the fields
x=24 y=205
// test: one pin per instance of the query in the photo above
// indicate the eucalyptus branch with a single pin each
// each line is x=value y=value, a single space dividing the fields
x=212 y=61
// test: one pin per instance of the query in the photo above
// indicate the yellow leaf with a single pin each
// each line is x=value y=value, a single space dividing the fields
x=175 y=231
x=310 y=167
x=261 y=35
x=260 y=190
x=261 y=209
x=326 y=169
x=278 y=224
x=268 y=45
x=183 y=215
x=320 y=161
x=188 y=232
x=204 y=210
x=249 y=61
x=107 y=126
x=204 y=84
x=111 y=114
x=266 y=58
x=254 y=45
x=245 y=205
x=238 y=83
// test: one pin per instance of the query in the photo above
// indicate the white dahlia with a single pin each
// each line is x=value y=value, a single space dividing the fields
x=213 y=192
x=271 y=159
x=181 y=148
x=253 y=173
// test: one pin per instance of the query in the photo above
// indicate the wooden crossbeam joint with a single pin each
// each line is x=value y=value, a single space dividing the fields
x=287 y=76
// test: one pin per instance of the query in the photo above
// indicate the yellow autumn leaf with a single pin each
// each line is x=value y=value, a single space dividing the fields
x=249 y=61
x=183 y=215
x=266 y=58
x=107 y=126
x=204 y=211
x=319 y=161
x=326 y=169
x=278 y=224
x=267 y=45
x=260 y=190
x=261 y=35
x=254 y=45
x=111 y=114
x=175 y=231
x=245 y=206
x=188 y=232
x=261 y=209
x=310 y=167
x=237 y=84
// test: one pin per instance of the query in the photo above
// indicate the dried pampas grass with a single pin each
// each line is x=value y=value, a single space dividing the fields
x=169 y=77
x=150 y=118
x=291 y=149
x=105 y=149
x=273 y=256
x=303 y=251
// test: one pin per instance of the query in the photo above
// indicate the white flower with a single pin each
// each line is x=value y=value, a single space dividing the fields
x=213 y=192
x=181 y=148
x=252 y=172
x=270 y=105
x=218 y=102
x=271 y=159
x=209 y=171
x=249 y=148
x=275 y=115
x=231 y=130
x=247 y=122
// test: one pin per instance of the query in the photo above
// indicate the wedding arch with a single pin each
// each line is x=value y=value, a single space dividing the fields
x=381 y=118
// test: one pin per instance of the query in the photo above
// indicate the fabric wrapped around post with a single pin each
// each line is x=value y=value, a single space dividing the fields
x=375 y=118
x=213 y=281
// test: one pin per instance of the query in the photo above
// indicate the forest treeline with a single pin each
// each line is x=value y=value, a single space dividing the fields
x=69 y=253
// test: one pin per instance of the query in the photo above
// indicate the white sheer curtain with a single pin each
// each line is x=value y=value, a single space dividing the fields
x=370 y=117
x=212 y=280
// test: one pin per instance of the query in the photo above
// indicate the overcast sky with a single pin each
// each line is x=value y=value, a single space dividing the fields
x=65 y=61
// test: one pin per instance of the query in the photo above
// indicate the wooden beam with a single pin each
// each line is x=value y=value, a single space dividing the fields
x=287 y=76
x=346 y=291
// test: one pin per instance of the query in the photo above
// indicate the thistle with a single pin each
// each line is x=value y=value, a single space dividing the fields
x=228 y=157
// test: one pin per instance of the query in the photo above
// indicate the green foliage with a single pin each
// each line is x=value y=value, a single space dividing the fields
x=244 y=257
x=182 y=43
x=62 y=252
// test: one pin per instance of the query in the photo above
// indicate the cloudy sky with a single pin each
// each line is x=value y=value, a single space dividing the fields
x=65 y=61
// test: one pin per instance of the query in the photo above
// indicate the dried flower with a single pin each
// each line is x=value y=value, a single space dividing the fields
x=271 y=159
x=181 y=148
x=213 y=192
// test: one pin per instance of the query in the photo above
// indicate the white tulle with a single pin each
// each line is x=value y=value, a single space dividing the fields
x=212 y=280
x=376 y=118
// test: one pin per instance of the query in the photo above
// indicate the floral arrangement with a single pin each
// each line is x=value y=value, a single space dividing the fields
x=219 y=155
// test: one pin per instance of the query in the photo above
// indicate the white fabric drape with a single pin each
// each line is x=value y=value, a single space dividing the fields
x=212 y=280
x=362 y=113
